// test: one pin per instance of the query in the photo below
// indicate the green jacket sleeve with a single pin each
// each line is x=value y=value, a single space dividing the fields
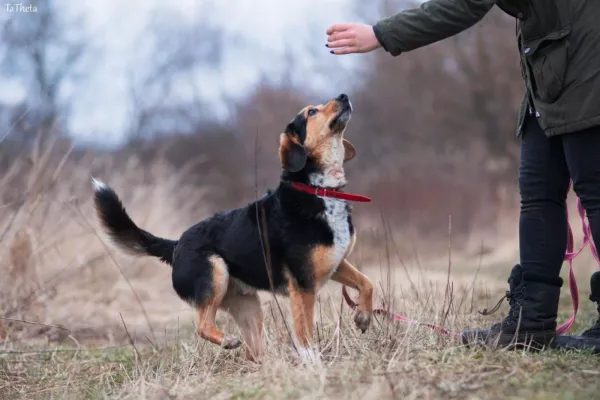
x=433 y=21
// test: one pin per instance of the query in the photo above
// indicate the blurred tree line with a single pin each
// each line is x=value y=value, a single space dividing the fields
x=434 y=128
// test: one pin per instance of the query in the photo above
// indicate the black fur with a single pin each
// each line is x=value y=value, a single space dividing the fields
x=292 y=229
x=296 y=157
x=125 y=233
x=298 y=127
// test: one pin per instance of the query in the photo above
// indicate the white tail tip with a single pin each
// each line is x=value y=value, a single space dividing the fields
x=99 y=186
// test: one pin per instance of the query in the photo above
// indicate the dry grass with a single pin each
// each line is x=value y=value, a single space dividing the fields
x=103 y=325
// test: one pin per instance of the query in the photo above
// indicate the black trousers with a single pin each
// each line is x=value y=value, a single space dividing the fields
x=546 y=166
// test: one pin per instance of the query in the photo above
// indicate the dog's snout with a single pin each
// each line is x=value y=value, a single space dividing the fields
x=342 y=97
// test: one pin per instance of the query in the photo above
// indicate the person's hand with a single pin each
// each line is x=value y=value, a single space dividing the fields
x=351 y=38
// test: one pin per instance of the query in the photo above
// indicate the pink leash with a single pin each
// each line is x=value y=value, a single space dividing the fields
x=569 y=256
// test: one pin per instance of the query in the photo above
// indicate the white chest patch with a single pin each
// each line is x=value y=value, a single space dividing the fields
x=336 y=216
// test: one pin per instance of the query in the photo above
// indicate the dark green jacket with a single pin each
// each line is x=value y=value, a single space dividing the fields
x=558 y=42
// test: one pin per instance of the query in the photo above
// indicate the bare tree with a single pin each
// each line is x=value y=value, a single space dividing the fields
x=183 y=59
x=44 y=51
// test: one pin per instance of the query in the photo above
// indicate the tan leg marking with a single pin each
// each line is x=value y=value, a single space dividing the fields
x=303 y=304
x=247 y=313
x=321 y=260
x=207 y=328
x=348 y=275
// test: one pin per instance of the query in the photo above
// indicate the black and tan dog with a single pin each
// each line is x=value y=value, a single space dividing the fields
x=219 y=263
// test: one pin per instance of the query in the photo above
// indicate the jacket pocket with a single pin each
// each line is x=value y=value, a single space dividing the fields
x=547 y=58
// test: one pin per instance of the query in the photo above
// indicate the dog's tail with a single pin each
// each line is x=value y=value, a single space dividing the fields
x=123 y=232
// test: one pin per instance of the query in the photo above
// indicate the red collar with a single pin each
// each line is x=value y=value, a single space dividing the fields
x=333 y=193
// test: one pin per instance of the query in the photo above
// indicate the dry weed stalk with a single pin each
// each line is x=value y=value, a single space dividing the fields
x=22 y=275
x=55 y=269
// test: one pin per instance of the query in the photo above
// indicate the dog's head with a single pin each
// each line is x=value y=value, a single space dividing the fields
x=315 y=139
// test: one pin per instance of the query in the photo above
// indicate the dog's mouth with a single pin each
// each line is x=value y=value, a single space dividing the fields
x=341 y=119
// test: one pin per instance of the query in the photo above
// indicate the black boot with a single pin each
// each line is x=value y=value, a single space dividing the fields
x=589 y=339
x=531 y=320
x=594 y=331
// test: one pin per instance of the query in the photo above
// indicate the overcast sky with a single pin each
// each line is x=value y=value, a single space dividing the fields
x=101 y=105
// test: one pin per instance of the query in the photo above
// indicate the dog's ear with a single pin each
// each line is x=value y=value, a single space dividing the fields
x=349 y=150
x=291 y=151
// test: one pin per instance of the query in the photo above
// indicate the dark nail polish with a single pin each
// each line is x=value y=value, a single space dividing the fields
x=331 y=51
x=326 y=45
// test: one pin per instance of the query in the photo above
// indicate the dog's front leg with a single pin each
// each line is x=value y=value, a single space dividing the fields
x=348 y=275
x=302 y=307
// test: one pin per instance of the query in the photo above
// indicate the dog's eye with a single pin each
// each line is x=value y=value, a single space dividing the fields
x=312 y=112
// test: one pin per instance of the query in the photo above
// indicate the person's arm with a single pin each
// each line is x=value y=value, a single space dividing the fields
x=433 y=21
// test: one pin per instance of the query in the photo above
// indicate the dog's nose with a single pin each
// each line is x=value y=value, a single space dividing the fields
x=342 y=97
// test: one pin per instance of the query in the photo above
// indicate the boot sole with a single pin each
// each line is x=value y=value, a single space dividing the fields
x=584 y=343
x=529 y=341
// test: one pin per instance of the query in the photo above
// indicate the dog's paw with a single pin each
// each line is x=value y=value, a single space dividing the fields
x=231 y=342
x=362 y=319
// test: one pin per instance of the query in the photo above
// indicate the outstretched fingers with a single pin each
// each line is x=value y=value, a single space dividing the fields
x=351 y=38
x=337 y=28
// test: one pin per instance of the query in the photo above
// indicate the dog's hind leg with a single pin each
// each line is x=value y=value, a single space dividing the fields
x=207 y=310
x=246 y=311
